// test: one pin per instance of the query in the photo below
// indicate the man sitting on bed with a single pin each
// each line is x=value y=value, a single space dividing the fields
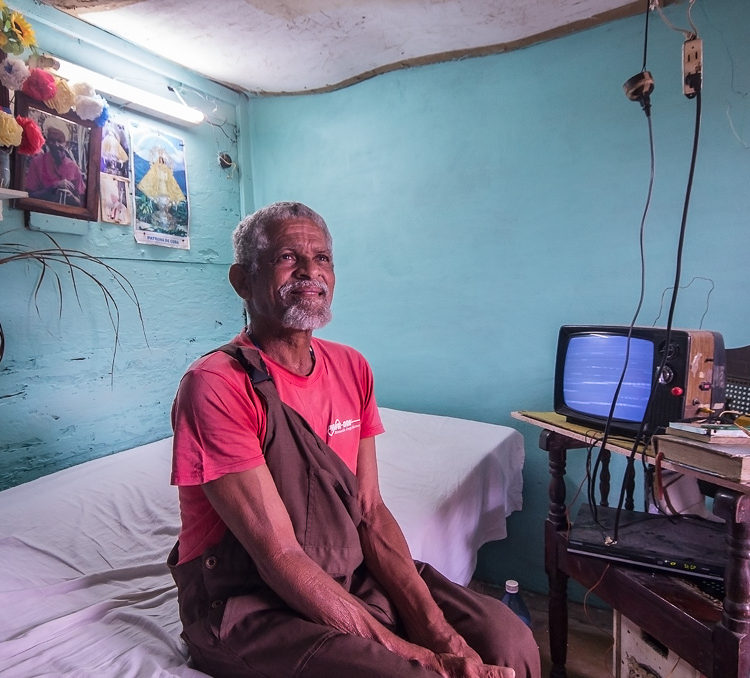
x=288 y=563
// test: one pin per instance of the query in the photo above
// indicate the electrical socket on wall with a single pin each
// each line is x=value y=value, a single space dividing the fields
x=692 y=67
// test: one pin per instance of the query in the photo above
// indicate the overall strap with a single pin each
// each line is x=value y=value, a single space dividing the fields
x=278 y=413
x=319 y=491
x=282 y=418
x=250 y=360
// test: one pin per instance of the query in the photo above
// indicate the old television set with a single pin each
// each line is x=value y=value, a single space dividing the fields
x=663 y=382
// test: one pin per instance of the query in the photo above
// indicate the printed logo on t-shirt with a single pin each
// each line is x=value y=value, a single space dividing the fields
x=339 y=426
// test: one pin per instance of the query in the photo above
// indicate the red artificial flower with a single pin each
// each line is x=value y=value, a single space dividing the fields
x=40 y=85
x=32 y=138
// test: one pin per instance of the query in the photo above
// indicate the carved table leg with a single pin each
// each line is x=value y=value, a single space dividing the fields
x=556 y=446
x=629 y=486
x=558 y=616
x=558 y=580
x=604 y=477
x=732 y=634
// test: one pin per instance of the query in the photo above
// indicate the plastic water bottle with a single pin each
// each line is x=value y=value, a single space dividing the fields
x=512 y=598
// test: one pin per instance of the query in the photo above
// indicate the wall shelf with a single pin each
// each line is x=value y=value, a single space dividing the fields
x=8 y=194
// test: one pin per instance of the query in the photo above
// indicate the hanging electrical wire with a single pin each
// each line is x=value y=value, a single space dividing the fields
x=643 y=436
x=639 y=88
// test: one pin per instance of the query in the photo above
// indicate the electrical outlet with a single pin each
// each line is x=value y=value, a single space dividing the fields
x=692 y=67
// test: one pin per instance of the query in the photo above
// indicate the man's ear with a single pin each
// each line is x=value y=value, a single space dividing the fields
x=239 y=277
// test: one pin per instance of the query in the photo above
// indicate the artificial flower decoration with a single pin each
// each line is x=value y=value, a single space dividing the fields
x=64 y=98
x=11 y=132
x=83 y=89
x=103 y=116
x=13 y=72
x=32 y=139
x=89 y=107
x=16 y=33
x=40 y=85
x=88 y=104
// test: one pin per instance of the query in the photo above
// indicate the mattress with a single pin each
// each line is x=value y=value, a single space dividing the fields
x=85 y=591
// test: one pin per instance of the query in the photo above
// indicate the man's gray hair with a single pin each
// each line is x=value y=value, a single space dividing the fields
x=251 y=238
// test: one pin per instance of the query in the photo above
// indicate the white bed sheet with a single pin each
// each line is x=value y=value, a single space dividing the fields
x=85 y=591
x=451 y=483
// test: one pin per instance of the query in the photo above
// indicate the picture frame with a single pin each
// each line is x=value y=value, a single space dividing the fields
x=63 y=178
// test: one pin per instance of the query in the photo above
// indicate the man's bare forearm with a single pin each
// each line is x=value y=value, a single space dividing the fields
x=309 y=590
x=389 y=560
x=249 y=504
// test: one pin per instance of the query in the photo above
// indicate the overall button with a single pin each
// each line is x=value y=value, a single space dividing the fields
x=211 y=562
x=216 y=604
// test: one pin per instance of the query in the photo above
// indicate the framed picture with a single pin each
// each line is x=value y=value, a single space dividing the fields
x=63 y=178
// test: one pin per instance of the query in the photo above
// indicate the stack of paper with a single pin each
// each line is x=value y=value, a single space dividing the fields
x=725 y=434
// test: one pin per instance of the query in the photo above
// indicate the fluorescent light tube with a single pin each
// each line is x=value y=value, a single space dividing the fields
x=129 y=96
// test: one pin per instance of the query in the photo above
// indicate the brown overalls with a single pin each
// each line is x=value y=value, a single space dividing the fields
x=235 y=625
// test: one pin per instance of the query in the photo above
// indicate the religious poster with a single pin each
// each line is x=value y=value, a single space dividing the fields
x=115 y=199
x=115 y=191
x=160 y=182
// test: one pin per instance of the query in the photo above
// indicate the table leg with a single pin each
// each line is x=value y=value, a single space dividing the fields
x=556 y=446
x=732 y=634
x=558 y=581
x=557 y=609
x=629 y=486
x=604 y=478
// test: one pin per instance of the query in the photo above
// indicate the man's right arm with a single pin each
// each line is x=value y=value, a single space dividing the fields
x=249 y=504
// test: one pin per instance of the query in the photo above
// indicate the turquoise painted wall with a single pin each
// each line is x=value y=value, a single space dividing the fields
x=478 y=205
x=59 y=405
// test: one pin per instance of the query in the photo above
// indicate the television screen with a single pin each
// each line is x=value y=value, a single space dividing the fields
x=590 y=361
x=593 y=367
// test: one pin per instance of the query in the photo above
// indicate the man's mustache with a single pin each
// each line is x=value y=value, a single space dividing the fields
x=302 y=286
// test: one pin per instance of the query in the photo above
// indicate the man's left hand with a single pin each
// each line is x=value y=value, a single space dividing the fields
x=460 y=667
x=444 y=641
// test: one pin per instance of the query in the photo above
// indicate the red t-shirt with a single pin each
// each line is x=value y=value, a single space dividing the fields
x=219 y=423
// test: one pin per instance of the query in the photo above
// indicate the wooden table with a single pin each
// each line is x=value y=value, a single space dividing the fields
x=715 y=640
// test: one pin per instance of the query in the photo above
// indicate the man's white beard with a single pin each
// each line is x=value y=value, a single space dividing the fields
x=305 y=314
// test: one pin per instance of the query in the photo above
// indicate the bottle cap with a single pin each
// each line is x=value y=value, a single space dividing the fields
x=511 y=586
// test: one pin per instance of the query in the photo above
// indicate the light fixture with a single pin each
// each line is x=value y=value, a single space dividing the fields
x=129 y=96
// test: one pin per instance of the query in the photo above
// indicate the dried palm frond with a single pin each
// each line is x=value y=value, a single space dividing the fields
x=74 y=264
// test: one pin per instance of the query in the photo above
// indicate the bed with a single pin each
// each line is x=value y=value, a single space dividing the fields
x=84 y=589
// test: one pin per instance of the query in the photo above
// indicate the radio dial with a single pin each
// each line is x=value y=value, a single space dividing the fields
x=666 y=375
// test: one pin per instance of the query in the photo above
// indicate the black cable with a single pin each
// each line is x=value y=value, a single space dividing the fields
x=670 y=317
x=645 y=35
x=646 y=106
x=610 y=416
x=688 y=191
x=708 y=299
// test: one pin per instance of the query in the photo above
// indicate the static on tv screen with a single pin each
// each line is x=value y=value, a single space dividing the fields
x=593 y=366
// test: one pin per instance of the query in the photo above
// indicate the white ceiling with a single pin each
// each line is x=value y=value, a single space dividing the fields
x=285 y=46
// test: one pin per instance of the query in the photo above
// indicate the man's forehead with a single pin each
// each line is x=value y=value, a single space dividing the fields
x=297 y=230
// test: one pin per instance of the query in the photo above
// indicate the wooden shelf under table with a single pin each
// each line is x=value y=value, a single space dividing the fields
x=712 y=637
